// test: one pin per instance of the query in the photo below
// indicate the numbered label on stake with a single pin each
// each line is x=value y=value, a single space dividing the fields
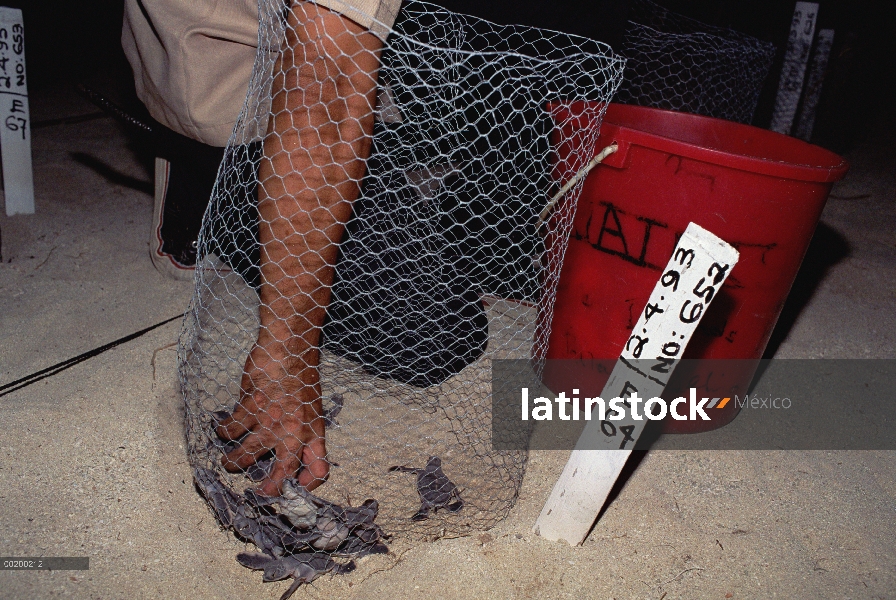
x=692 y=279
x=696 y=271
x=688 y=284
x=15 y=123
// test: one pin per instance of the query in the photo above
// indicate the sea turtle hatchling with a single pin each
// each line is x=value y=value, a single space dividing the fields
x=304 y=567
x=320 y=524
x=434 y=488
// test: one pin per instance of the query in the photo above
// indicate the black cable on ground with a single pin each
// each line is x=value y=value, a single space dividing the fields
x=62 y=366
x=69 y=120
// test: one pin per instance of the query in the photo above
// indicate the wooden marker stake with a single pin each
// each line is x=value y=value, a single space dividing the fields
x=699 y=266
x=15 y=124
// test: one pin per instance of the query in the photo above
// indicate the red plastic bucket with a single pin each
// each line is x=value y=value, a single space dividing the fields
x=760 y=191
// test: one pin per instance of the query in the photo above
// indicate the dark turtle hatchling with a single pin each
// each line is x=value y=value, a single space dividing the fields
x=435 y=489
x=331 y=412
x=304 y=567
x=319 y=524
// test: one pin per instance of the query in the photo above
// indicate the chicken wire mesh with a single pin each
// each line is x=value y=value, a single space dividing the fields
x=677 y=63
x=369 y=328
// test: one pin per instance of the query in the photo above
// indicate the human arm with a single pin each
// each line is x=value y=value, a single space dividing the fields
x=319 y=138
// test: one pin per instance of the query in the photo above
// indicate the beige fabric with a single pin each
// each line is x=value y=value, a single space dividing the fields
x=376 y=15
x=192 y=59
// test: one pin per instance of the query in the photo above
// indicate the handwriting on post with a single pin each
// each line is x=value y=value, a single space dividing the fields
x=15 y=127
x=698 y=267
x=12 y=76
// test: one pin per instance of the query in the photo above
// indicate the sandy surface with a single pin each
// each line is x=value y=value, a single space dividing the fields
x=92 y=460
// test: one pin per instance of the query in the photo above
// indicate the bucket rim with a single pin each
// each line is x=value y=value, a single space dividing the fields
x=834 y=170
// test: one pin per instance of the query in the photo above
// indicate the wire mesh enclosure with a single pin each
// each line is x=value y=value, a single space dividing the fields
x=357 y=278
x=678 y=63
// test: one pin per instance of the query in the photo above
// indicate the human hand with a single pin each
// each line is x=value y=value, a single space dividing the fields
x=279 y=411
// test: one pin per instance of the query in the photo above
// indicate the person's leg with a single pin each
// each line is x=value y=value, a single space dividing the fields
x=319 y=138
x=185 y=172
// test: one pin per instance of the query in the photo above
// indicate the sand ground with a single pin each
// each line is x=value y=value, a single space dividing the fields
x=92 y=460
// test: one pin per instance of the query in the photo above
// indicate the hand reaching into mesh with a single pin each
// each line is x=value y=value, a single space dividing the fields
x=319 y=137
x=278 y=411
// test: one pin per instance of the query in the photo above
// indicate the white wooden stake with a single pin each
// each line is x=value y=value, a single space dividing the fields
x=806 y=121
x=793 y=73
x=699 y=266
x=15 y=123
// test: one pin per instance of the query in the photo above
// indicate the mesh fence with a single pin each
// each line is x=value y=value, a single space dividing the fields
x=678 y=63
x=348 y=307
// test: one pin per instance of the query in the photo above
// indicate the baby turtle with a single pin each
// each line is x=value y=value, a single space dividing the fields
x=435 y=489
x=322 y=525
x=331 y=412
x=223 y=501
x=295 y=503
x=304 y=567
x=234 y=513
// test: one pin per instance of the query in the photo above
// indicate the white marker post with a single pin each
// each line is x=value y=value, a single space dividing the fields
x=15 y=123
x=699 y=266
x=806 y=121
x=793 y=73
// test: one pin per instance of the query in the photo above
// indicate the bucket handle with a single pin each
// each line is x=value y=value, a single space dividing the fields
x=579 y=176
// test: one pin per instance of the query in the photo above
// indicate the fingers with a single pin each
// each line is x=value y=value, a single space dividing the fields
x=251 y=448
x=292 y=455
x=310 y=457
x=242 y=420
x=317 y=467
x=286 y=464
x=238 y=424
x=290 y=425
